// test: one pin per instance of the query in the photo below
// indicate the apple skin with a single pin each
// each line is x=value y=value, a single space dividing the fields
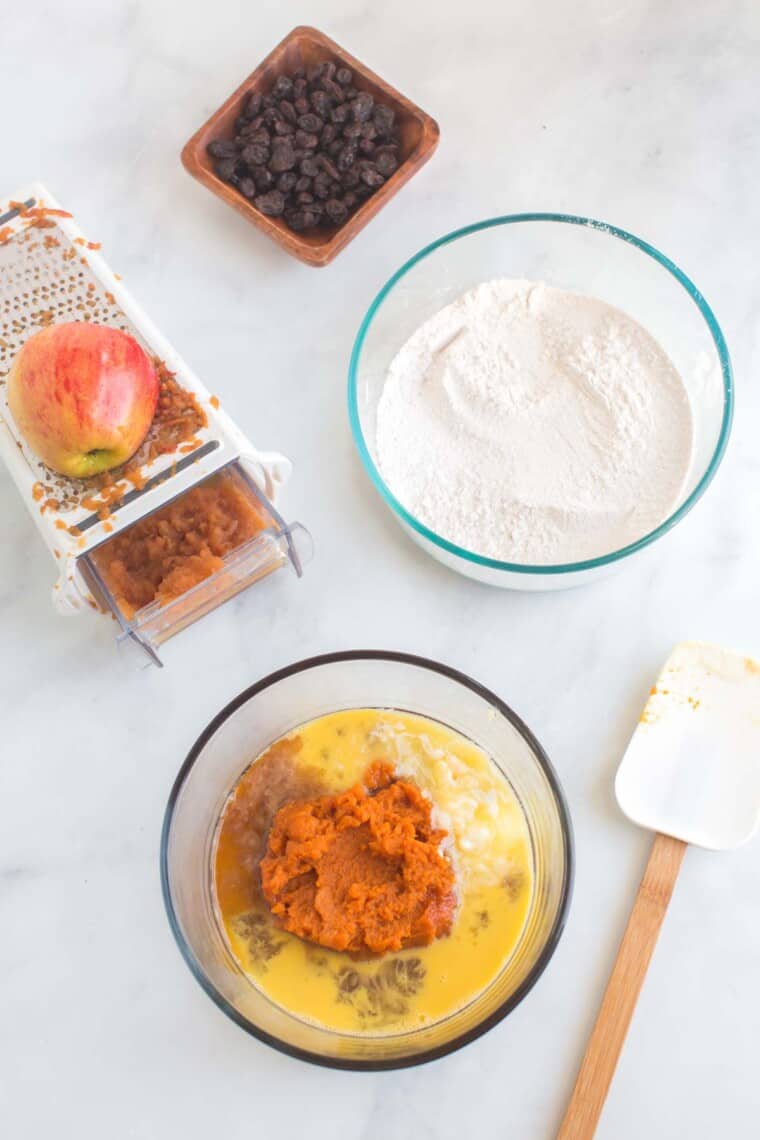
x=83 y=396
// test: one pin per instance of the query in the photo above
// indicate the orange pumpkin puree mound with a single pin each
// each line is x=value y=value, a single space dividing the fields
x=361 y=871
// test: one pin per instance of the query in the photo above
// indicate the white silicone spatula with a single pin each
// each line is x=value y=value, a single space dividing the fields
x=691 y=773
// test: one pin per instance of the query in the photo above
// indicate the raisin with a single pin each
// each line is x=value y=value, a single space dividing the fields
x=336 y=211
x=283 y=87
x=311 y=148
x=329 y=168
x=255 y=154
x=347 y=156
x=386 y=162
x=309 y=166
x=321 y=186
x=222 y=148
x=260 y=135
x=372 y=177
x=350 y=178
x=301 y=219
x=333 y=90
x=225 y=168
x=283 y=156
x=383 y=118
x=287 y=181
x=271 y=204
x=253 y=104
x=320 y=101
x=264 y=178
x=307 y=141
x=310 y=123
x=361 y=107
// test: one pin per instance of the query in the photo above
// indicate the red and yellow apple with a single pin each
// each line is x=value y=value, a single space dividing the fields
x=83 y=396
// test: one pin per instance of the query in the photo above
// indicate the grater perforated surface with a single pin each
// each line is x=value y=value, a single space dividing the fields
x=45 y=279
x=49 y=274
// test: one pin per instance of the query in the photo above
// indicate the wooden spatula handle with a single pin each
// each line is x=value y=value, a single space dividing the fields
x=621 y=995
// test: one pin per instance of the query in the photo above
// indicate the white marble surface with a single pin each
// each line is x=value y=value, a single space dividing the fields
x=642 y=112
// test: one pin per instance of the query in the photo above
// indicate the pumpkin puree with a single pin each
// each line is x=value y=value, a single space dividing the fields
x=361 y=871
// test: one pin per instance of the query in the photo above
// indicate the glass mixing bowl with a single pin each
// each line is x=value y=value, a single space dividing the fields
x=276 y=706
x=570 y=253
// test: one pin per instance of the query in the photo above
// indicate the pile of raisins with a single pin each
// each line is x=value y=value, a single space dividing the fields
x=312 y=149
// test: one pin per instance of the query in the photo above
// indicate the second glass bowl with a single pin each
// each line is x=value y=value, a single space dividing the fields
x=273 y=708
x=572 y=253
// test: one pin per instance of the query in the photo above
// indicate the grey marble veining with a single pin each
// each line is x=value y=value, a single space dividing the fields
x=643 y=113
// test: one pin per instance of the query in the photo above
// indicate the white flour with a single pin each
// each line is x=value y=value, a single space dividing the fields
x=533 y=425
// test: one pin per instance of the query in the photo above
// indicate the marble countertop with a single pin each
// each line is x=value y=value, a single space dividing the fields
x=643 y=113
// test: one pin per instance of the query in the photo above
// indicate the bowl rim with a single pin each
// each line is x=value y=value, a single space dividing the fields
x=559 y=567
x=552 y=939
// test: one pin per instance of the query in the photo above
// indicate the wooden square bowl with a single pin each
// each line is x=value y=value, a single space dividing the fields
x=303 y=47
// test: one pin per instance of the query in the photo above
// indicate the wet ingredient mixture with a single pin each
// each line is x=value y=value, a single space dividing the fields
x=481 y=840
x=181 y=544
x=534 y=425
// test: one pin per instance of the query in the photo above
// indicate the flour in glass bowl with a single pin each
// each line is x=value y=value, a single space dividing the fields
x=534 y=425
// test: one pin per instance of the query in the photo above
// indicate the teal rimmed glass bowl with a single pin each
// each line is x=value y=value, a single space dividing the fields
x=568 y=252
